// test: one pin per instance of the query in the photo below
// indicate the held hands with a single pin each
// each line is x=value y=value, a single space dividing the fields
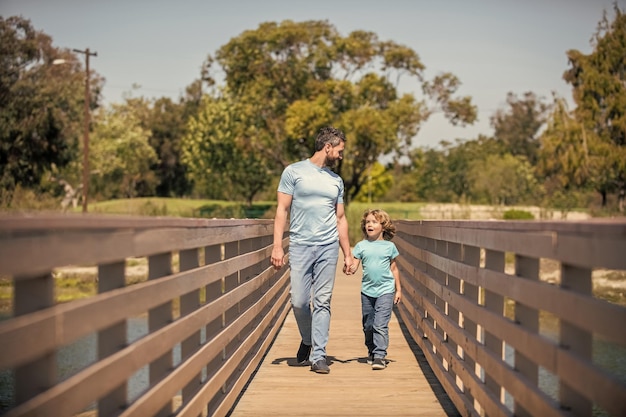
x=350 y=265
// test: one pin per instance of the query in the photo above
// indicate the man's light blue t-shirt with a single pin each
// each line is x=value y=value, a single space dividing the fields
x=376 y=259
x=315 y=194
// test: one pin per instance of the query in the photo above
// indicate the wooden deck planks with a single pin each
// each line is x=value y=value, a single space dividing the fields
x=280 y=388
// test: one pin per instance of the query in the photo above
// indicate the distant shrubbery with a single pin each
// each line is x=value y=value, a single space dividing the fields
x=517 y=215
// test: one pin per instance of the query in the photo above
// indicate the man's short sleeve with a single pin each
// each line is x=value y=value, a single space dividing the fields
x=287 y=182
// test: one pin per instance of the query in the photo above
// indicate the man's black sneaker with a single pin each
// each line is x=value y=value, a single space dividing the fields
x=302 y=357
x=379 y=363
x=370 y=358
x=321 y=367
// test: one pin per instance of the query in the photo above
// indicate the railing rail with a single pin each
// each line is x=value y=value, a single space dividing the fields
x=218 y=311
x=501 y=340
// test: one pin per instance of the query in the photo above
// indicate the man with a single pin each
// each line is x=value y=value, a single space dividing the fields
x=313 y=196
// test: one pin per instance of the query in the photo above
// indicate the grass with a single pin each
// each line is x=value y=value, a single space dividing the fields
x=176 y=207
x=181 y=207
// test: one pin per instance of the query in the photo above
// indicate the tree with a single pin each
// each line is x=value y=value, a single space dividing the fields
x=166 y=121
x=376 y=184
x=564 y=154
x=458 y=160
x=599 y=90
x=218 y=158
x=442 y=175
x=428 y=177
x=290 y=79
x=505 y=180
x=121 y=155
x=41 y=106
x=518 y=126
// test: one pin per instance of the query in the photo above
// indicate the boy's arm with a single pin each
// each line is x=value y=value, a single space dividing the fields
x=396 y=276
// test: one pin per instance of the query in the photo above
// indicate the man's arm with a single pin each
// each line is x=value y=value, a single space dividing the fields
x=280 y=221
x=344 y=240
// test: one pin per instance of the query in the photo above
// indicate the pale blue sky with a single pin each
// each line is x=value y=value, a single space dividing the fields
x=494 y=47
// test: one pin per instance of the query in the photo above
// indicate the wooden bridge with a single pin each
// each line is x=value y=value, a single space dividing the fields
x=482 y=330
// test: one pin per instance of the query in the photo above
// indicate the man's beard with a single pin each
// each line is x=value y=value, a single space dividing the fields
x=330 y=162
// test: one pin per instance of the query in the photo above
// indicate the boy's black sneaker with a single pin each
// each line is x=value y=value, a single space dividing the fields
x=302 y=357
x=370 y=358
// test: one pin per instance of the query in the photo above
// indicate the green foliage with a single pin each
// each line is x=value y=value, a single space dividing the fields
x=121 y=155
x=217 y=142
x=517 y=127
x=505 y=180
x=376 y=184
x=286 y=80
x=565 y=201
x=41 y=105
x=599 y=89
x=167 y=123
x=517 y=215
x=26 y=199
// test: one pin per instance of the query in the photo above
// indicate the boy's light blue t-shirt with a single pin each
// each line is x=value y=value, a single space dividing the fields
x=376 y=259
x=315 y=194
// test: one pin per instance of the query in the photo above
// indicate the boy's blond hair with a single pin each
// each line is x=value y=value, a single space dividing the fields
x=389 y=230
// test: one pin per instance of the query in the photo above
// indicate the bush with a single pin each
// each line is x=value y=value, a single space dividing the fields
x=517 y=215
x=26 y=199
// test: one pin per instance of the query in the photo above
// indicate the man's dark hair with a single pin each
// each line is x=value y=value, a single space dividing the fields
x=328 y=135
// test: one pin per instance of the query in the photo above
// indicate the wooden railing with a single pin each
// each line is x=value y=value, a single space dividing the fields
x=501 y=338
x=209 y=318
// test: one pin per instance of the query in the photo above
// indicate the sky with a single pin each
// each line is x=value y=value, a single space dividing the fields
x=493 y=46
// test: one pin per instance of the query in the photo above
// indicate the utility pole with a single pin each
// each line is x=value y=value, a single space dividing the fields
x=87 y=121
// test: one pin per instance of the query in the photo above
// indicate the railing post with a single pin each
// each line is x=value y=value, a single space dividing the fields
x=189 y=303
x=231 y=282
x=246 y=274
x=212 y=254
x=32 y=294
x=159 y=266
x=471 y=256
x=430 y=246
x=440 y=248
x=528 y=318
x=455 y=253
x=575 y=339
x=494 y=261
x=112 y=339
